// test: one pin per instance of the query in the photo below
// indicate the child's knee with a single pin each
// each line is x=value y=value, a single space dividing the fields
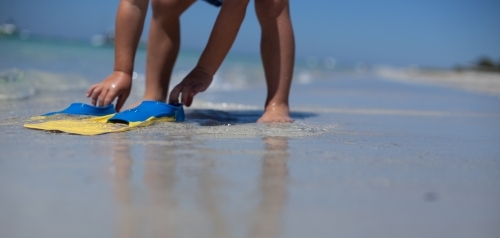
x=167 y=7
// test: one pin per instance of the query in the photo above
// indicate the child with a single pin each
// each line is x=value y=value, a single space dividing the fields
x=277 y=51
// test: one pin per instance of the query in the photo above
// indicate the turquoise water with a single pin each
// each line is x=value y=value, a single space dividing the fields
x=28 y=66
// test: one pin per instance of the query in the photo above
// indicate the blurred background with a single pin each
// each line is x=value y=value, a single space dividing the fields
x=443 y=33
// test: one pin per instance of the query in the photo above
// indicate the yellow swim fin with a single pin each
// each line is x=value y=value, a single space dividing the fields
x=93 y=126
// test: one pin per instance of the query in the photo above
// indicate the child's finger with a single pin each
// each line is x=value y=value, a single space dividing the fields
x=95 y=95
x=91 y=89
x=195 y=90
x=174 y=94
x=121 y=100
x=110 y=97
x=185 y=95
x=102 y=97
x=189 y=100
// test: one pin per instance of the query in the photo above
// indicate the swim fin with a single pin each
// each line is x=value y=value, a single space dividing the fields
x=85 y=109
x=145 y=114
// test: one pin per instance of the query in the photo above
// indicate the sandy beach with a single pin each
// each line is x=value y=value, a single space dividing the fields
x=367 y=156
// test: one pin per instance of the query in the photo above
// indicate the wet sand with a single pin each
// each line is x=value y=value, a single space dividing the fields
x=365 y=158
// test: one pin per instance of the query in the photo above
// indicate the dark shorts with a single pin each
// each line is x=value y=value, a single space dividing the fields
x=217 y=3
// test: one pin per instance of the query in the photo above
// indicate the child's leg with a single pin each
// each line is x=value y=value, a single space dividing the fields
x=163 y=46
x=278 y=55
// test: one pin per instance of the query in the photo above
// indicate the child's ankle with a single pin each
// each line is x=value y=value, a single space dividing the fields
x=276 y=106
x=155 y=97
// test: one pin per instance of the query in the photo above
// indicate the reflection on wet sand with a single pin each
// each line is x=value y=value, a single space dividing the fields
x=159 y=179
x=273 y=181
x=172 y=209
x=210 y=199
x=127 y=220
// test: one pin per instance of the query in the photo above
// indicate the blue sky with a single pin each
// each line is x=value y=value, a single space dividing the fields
x=436 y=33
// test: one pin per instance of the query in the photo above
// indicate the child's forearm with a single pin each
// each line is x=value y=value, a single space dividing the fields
x=223 y=35
x=128 y=30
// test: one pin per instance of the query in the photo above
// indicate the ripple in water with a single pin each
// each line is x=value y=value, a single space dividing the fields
x=13 y=85
x=18 y=84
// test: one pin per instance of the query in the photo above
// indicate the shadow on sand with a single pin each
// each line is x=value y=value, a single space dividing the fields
x=209 y=117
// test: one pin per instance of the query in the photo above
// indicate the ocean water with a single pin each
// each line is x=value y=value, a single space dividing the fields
x=32 y=65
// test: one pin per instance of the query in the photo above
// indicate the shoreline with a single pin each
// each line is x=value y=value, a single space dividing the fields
x=475 y=81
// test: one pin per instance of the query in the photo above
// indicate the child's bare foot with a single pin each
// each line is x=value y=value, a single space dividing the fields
x=275 y=113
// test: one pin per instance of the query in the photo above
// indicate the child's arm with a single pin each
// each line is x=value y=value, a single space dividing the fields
x=221 y=39
x=128 y=29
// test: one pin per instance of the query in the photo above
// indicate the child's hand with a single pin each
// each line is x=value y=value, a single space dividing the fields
x=118 y=84
x=196 y=81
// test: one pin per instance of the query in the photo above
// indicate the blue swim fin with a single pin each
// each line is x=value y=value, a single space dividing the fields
x=85 y=109
x=148 y=110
